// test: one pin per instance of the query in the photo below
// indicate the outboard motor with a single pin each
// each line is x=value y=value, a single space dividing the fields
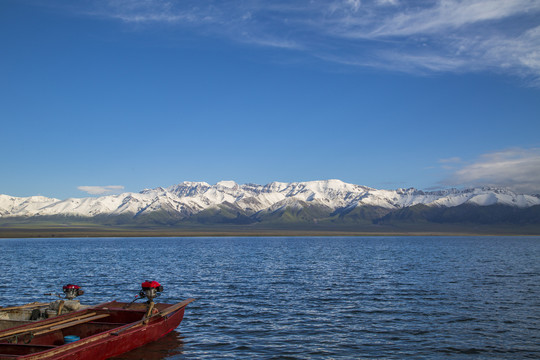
x=72 y=291
x=66 y=304
x=150 y=290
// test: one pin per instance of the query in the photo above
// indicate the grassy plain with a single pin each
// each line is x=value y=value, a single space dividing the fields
x=44 y=230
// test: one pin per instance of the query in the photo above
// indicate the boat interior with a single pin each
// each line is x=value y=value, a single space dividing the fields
x=51 y=333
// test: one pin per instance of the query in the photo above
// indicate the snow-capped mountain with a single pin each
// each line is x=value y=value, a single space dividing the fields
x=191 y=198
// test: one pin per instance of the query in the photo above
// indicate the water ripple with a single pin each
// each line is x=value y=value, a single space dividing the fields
x=298 y=298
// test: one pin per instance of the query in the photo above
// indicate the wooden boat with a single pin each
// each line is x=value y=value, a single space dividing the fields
x=103 y=331
x=23 y=314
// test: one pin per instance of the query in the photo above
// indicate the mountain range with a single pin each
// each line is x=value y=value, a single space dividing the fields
x=328 y=203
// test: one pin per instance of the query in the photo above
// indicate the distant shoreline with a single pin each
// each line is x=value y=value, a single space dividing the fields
x=103 y=233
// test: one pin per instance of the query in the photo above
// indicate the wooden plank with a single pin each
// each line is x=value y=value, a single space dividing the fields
x=40 y=327
x=21 y=307
x=175 y=307
x=131 y=326
x=60 y=307
x=69 y=324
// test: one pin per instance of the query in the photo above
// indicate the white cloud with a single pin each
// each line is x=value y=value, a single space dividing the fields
x=450 y=163
x=448 y=15
x=517 y=169
x=101 y=190
x=354 y=4
x=425 y=36
x=448 y=36
x=387 y=2
x=451 y=160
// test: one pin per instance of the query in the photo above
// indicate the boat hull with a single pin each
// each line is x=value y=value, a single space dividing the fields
x=114 y=332
x=8 y=324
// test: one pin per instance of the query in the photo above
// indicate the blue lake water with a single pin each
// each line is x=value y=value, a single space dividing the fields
x=306 y=298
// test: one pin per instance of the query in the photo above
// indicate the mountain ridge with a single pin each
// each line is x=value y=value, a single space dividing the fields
x=189 y=199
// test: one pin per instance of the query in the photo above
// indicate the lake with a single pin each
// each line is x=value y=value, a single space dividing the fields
x=305 y=297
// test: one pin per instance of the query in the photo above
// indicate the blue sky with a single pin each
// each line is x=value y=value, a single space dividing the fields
x=108 y=96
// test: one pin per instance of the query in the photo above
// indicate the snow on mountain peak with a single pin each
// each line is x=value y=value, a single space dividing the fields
x=227 y=184
x=192 y=197
x=189 y=188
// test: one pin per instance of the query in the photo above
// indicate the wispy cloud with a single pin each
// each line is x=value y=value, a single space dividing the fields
x=101 y=190
x=449 y=15
x=450 y=163
x=452 y=160
x=425 y=36
x=517 y=169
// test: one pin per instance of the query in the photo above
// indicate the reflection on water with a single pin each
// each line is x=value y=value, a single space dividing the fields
x=166 y=347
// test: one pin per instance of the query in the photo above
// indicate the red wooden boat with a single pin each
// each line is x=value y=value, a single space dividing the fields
x=100 y=331
x=23 y=314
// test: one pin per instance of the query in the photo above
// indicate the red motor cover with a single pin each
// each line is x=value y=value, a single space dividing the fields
x=71 y=286
x=150 y=284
